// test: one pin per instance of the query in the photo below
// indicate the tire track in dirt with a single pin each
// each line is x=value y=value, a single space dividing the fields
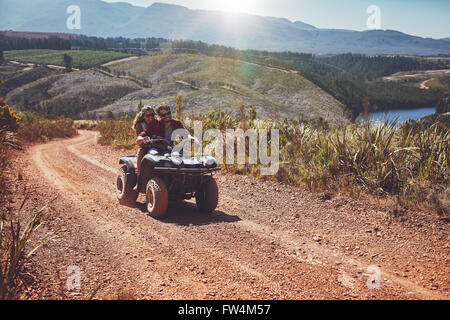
x=223 y=255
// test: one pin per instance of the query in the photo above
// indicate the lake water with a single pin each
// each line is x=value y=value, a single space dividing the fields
x=400 y=115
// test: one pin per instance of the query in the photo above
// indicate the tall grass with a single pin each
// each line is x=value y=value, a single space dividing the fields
x=13 y=251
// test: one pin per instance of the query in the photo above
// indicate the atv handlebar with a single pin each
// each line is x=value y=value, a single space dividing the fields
x=159 y=140
x=149 y=140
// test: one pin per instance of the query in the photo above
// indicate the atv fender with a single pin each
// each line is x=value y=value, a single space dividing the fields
x=147 y=165
x=128 y=162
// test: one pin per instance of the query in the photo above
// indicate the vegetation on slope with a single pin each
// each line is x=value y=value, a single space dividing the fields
x=81 y=59
x=70 y=94
x=16 y=76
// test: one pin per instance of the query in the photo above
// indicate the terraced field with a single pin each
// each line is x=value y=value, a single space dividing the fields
x=224 y=84
x=81 y=59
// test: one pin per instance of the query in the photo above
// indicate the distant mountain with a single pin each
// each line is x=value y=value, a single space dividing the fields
x=242 y=31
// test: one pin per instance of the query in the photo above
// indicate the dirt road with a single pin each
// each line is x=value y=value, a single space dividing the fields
x=265 y=241
x=423 y=85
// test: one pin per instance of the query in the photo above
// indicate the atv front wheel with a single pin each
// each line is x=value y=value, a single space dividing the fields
x=124 y=188
x=157 y=197
x=207 y=197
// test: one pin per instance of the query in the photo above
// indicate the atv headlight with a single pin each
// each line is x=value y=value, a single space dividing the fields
x=210 y=162
x=176 y=162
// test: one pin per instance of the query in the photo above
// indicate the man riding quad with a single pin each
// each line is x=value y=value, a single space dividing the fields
x=164 y=174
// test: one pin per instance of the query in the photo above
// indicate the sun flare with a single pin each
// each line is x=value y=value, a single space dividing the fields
x=236 y=5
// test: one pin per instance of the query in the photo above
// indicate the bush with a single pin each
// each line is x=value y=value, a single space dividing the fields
x=9 y=119
x=37 y=128
x=9 y=122
x=117 y=133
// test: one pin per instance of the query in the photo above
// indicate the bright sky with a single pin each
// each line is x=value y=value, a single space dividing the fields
x=417 y=17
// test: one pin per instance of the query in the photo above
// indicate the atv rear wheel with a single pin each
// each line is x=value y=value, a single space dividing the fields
x=124 y=187
x=207 y=197
x=157 y=197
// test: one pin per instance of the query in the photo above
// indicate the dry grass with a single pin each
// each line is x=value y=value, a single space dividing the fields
x=117 y=133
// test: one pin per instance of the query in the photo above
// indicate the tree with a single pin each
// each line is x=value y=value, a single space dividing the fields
x=68 y=62
x=2 y=58
x=140 y=106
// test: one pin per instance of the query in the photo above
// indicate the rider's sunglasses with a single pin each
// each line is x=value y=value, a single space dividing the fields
x=148 y=115
x=163 y=115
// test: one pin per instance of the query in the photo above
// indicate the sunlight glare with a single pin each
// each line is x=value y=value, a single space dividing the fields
x=244 y=6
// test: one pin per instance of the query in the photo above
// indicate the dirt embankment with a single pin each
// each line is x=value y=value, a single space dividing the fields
x=264 y=241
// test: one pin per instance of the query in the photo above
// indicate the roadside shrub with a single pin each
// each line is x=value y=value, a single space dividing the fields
x=37 y=128
x=9 y=123
x=9 y=119
x=117 y=133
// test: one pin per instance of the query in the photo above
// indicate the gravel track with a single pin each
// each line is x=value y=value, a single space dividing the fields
x=264 y=241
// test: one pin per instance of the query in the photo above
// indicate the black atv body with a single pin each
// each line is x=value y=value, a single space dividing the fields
x=168 y=176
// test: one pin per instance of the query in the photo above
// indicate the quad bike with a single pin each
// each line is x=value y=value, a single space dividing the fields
x=165 y=176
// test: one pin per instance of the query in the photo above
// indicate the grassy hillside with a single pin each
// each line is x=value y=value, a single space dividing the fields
x=81 y=59
x=16 y=76
x=70 y=94
x=221 y=83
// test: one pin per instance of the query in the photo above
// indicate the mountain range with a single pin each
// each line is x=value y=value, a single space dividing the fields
x=242 y=31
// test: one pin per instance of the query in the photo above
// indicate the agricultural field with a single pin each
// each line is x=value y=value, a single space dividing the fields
x=225 y=84
x=428 y=79
x=81 y=59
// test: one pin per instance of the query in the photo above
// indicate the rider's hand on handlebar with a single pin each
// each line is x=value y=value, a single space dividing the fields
x=140 y=140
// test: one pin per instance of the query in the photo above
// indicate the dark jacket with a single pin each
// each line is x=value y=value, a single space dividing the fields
x=153 y=129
